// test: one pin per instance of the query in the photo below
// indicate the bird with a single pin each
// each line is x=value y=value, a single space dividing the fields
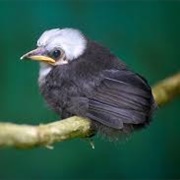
x=79 y=76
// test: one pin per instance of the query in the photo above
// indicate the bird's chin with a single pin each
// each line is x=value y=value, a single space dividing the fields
x=43 y=64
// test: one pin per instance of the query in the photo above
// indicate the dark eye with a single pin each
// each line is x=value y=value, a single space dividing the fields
x=56 y=53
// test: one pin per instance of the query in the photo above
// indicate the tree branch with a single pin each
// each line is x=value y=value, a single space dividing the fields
x=167 y=89
x=27 y=136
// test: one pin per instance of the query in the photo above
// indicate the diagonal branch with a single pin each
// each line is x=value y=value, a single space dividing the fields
x=27 y=136
x=167 y=89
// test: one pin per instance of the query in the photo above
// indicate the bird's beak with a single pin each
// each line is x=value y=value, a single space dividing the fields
x=38 y=55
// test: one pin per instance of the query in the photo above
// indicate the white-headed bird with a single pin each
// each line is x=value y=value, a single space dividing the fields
x=80 y=77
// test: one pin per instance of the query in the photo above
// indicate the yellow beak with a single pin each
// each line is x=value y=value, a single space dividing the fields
x=36 y=55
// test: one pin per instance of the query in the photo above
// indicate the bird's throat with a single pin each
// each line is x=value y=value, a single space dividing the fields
x=43 y=72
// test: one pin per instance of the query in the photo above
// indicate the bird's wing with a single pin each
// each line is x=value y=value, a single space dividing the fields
x=123 y=97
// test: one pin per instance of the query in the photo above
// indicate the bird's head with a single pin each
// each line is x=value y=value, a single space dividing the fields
x=58 y=47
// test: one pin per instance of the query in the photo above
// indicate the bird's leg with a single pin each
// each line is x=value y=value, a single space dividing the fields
x=90 y=141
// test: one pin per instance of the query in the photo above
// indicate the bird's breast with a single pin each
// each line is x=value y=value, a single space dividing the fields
x=63 y=88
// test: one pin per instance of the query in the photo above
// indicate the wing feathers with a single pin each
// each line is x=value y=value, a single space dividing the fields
x=122 y=98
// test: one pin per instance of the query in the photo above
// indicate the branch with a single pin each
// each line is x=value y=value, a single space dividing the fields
x=27 y=136
x=167 y=89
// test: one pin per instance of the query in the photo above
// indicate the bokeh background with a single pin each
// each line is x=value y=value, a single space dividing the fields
x=145 y=34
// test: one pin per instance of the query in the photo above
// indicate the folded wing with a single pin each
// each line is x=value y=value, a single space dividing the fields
x=122 y=97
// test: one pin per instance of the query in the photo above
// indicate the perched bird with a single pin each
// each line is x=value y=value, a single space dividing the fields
x=80 y=77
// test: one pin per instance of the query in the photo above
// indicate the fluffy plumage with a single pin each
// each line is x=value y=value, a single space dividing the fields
x=97 y=85
x=81 y=77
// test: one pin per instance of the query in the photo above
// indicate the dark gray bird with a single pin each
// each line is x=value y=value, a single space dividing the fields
x=81 y=77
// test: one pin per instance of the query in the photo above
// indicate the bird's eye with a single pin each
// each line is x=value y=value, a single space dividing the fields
x=56 y=53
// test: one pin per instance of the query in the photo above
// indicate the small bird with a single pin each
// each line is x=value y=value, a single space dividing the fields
x=81 y=77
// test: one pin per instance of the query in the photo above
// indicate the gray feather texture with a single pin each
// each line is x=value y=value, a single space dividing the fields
x=99 y=86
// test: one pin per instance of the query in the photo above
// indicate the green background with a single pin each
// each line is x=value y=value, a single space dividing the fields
x=145 y=34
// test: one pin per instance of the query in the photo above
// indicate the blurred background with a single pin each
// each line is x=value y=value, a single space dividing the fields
x=145 y=34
